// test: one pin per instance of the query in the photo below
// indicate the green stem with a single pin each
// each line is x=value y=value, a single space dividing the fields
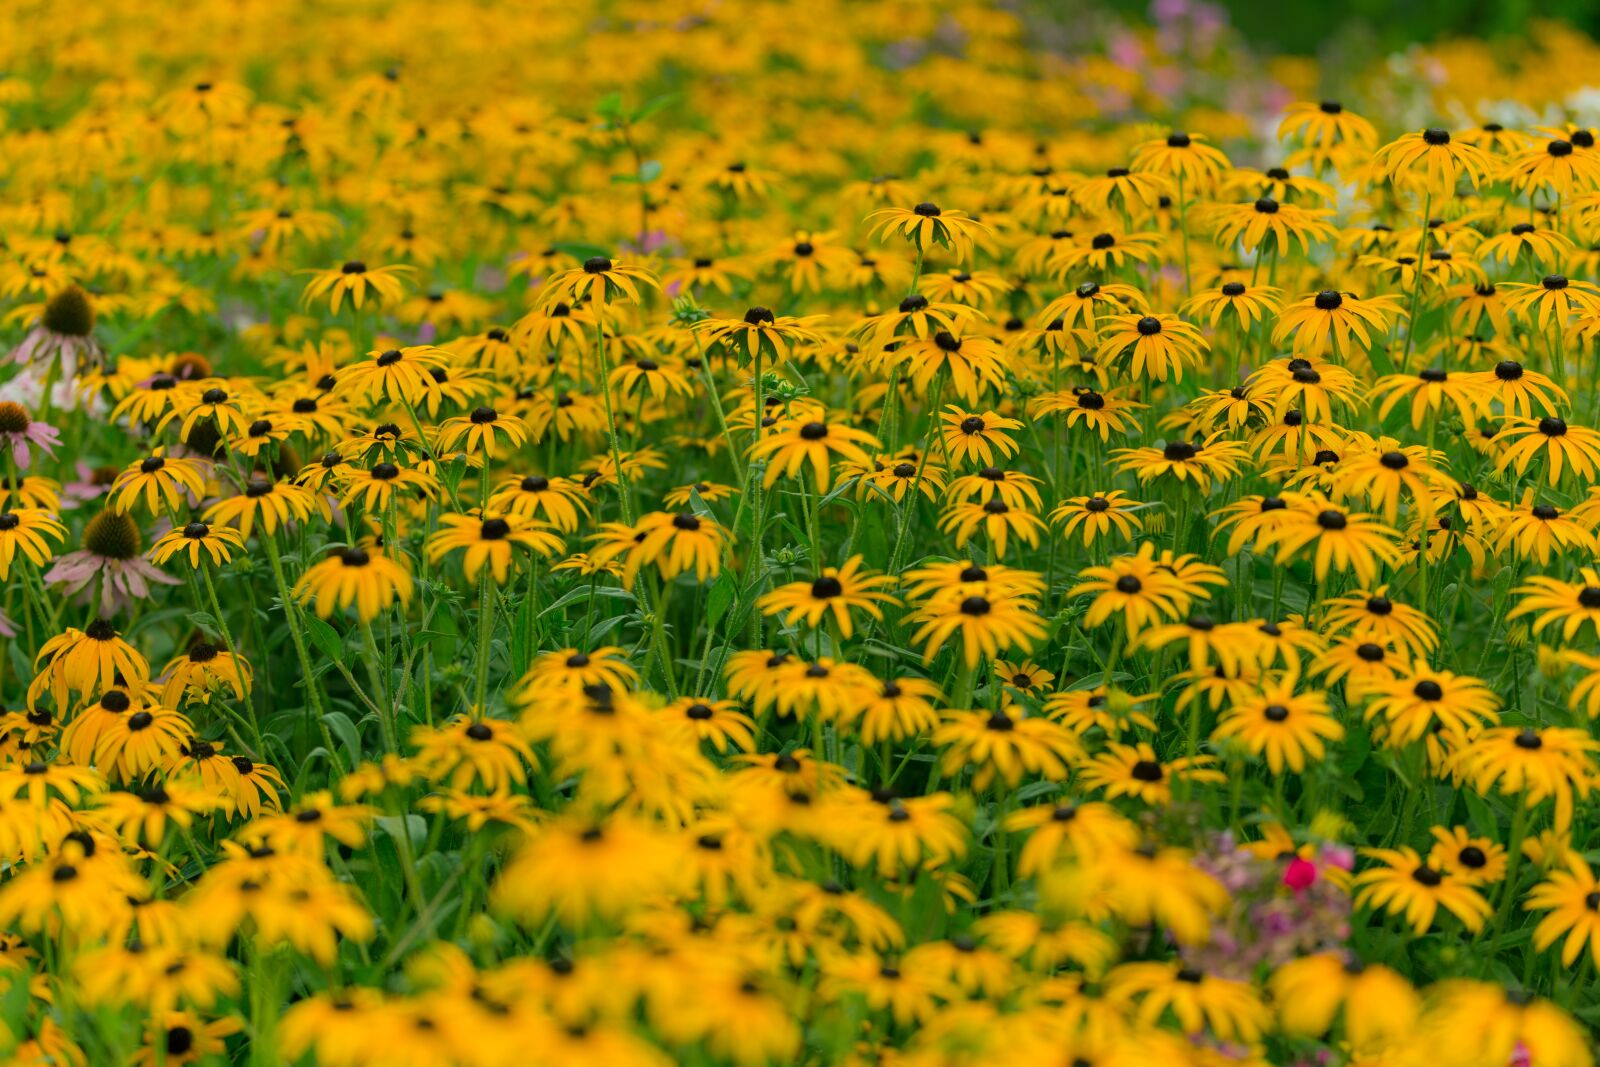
x=485 y=631
x=296 y=635
x=233 y=653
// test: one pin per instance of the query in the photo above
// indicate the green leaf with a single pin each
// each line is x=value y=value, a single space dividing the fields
x=340 y=726
x=580 y=595
x=649 y=171
x=650 y=107
x=415 y=827
x=1480 y=815
x=325 y=637
x=1381 y=363
x=723 y=593
x=609 y=106
x=204 y=620
x=1354 y=752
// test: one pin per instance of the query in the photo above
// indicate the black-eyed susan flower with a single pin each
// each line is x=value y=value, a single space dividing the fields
x=357 y=281
x=1091 y=517
x=206 y=406
x=1542 y=531
x=1375 y=1004
x=834 y=593
x=27 y=532
x=675 y=543
x=1403 y=884
x=1121 y=190
x=990 y=621
x=1004 y=746
x=977 y=436
x=1157 y=347
x=1562 y=447
x=1571 y=897
x=365 y=579
x=1288 y=728
x=902 y=708
x=379 y=485
x=971 y=363
x=1375 y=616
x=143 y=741
x=1551 y=301
x=1214 y=459
x=1027 y=676
x=555 y=500
x=1553 y=166
x=1552 y=600
x=1547 y=248
x=577 y=868
x=1419 y=699
x=574 y=669
x=490 y=540
x=1237 y=304
x=1068 y=828
x=1100 y=413
x=1535 y=764
x=1187 y=158
x=1327 y=124
x=600 y=281
x=1337 y=541
x=927 y=226
x=795 y=444
x=1432 y=162
x=1253 y=225
x=998 y=521
x=1476 y=860
x=1227 y=1007
x=203 y=671
x=270 y=503
x=1124 y=770
x=471 y=751
x=719 y=723
x=218 y=543
x=401 y=374
x=1110 y=710
x=1337 y=322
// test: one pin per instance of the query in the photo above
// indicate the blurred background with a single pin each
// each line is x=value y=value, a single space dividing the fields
x=1365 y=28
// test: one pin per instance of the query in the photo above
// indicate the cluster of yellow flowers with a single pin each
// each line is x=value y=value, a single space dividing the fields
x=634 y=533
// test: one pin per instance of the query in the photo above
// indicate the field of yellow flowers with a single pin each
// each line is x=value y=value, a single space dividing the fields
x=626 y=533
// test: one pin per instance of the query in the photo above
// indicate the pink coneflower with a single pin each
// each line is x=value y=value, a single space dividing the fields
x=92 y=484
x=18 y=433
x=64 y=331
x=52 y=352
x=110 y=553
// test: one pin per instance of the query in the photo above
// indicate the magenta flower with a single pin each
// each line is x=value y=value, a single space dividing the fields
x=1299 y=874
